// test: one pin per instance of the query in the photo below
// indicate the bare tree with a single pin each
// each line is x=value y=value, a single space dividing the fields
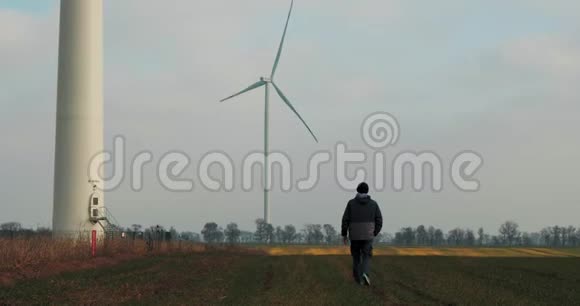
x=173 y=234
x=313 y=233
x=135 y=228
x=431 y=235
x=556 y=236
x=526 y=239
x=568 y=235
x=300 y=238
x=264 y=231
x=260 y=233
x=385 y=238
x=439 y=237
x=190 y=236
x=331 y=235
x=232 y=233
x=212 y=233
x=480 y=236
x=456 y=236
x=509 y=232
x=546 y=234
x=408 y=235
x=422 y=236
x=270 y=233
x=279 y=233
x=573 y=236
x=289 y=233
x=11 y=227
x=469 y=237
x=247 y=237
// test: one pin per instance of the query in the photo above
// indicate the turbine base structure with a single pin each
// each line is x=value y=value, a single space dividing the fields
x=79 y=117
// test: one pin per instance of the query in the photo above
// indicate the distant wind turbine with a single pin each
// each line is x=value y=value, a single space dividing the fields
x=265 y=81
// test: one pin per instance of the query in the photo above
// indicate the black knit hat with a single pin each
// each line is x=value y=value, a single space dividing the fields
x=362 y=188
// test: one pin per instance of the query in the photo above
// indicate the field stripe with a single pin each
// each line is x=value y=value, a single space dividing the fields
x=423 y=251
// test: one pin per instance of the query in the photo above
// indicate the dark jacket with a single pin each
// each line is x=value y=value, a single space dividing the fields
x=362 y=218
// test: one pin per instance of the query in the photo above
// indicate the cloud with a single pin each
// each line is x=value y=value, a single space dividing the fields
x=556 y=56
x=560 y=8
x=453 y=76
x=23 y=36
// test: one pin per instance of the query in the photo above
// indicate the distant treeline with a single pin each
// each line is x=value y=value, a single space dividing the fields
x=508 y=234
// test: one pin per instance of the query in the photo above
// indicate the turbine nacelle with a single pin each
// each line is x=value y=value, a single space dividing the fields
x=270 y=80
x=266 y=82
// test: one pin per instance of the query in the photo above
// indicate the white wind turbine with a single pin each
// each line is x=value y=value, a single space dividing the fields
x=266 y=82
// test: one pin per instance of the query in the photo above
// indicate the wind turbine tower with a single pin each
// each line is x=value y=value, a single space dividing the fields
x=78 y=204
x=266 y=82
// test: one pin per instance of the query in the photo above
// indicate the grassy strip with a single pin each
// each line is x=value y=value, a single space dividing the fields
x=229 y=278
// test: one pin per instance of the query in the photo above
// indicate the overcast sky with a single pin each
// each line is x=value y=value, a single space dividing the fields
x=496 y=77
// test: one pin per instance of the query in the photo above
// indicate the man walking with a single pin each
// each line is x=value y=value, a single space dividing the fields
x=362 y=220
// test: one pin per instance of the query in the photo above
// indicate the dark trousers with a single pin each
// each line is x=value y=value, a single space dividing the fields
x=361 y=251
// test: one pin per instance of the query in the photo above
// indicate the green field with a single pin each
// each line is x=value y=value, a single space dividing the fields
x=226 y=278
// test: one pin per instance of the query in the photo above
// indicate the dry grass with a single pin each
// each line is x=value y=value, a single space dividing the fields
x=21 y=253
x=37 y=256
x=22 y=258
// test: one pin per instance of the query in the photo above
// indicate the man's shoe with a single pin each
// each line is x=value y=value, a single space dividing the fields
x=366 y=279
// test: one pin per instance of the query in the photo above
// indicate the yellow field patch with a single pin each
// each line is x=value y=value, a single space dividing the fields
x=423 y=251
x=417 y=252
x=281 y=251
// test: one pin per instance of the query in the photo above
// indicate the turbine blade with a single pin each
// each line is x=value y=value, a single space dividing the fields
x=281 y=94
x=251 y=87
x=282 y=42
